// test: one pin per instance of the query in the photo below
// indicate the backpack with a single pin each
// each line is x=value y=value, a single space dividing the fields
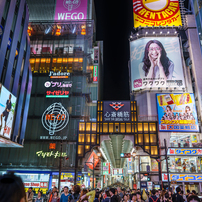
x=154 y=200
x=74 y=199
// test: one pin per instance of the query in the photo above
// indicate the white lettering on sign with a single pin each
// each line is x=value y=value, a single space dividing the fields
x=36 y=184
x=72 y=16
x=59 y=73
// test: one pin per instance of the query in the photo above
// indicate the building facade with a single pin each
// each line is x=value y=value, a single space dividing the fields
x=64 y=92
x=15 y=72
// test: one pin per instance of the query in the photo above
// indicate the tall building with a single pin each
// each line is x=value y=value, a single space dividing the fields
x=15 y=72
x=64 y=62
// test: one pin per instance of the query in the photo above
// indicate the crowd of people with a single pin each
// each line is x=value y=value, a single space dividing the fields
x=12 y=190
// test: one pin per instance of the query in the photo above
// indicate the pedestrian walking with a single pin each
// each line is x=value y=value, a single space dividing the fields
x=154 y=198
x=65 y=195
x=177 y=197
x=29 y=195
x=113 y=196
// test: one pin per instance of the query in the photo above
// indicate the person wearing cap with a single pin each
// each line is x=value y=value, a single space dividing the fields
x=29 y=195
x=64 y=197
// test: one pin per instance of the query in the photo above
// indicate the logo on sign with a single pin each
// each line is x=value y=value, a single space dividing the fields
x=116 y=105
x=55 y=118
x=71 y=4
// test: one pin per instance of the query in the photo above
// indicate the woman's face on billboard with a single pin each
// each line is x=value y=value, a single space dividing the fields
x=154 y=50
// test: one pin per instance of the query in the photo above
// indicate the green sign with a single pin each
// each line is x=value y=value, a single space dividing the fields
x=51 y=153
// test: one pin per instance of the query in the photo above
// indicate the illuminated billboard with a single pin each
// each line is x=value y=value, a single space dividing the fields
x=177 y=113
x=71 y=10
x=156 y=62
x=116 y=111
x=149 y=13
x=7 y=110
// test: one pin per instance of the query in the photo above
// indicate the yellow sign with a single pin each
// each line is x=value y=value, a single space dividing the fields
x=156 y=13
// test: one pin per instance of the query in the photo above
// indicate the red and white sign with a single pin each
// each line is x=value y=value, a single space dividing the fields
x=90 y=160
x=36 y=184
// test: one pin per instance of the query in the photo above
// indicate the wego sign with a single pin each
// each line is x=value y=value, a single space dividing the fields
x=156 y=13
x=71 y=10
x=55 y=118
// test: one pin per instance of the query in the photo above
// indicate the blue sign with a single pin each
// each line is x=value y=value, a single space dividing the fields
x=177 y=113
x=143 y=184
x=9 y=42
x=78 y=179
x=183 y=177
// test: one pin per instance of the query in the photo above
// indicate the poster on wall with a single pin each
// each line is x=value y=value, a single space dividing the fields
x=7 y=110
x=156 y=13
x=154 y=165
x=71 y=10
x=177 y=113
x=156 y=62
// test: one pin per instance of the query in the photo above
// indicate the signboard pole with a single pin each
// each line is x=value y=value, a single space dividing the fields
x=166 y=156
x=60 y=166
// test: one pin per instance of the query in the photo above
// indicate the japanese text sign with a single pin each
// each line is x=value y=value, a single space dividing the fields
x=146 y=70
x=177 y=112
x=186 y=152
x=183 y=177
x=156 y=13
x=116 y=111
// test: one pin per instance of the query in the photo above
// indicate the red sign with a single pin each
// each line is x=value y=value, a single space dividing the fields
x=134 y=186
x=90 y=160
x=36 y=184
x=52 y=145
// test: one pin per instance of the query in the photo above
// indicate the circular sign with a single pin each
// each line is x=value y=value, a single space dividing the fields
x=71 y=4
x=78 y=179
x=55 y=118
x=155 y=5
x=47 y=84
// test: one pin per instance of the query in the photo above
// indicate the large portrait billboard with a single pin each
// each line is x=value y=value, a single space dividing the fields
x=71 y=10
x=7 y=110
x=177 y=113
x=156 y=13
x=156 y=62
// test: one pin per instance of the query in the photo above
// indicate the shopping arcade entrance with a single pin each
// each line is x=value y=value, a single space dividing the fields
x=94 y=134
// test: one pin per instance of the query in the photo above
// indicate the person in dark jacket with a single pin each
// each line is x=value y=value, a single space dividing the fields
x=177 y=197
x=76 y=195
x=113 y=196
x=154 y=198
x=107 y=199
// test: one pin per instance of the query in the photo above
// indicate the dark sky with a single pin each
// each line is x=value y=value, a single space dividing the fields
x=114 y=25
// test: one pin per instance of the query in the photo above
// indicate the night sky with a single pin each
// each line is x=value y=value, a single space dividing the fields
x=114 y=25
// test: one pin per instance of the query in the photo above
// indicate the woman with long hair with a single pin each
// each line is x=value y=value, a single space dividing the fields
x=156 y=64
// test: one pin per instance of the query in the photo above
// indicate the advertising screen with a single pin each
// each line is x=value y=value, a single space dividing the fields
x=177 y=113
x=156 y=62
x=7 y=110
x=156 y=13
x=116 y=111
x=71 y=10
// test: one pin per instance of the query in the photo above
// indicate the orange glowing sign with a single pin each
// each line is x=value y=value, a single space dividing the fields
x=90 y=160
x=149 y=13
x=58 y=117
x=52 y=145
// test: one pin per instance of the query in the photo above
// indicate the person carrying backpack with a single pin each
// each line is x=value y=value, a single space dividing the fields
x=154 y=198
x=177 y=197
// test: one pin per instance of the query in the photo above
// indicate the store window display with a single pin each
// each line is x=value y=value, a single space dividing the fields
x=184 y=140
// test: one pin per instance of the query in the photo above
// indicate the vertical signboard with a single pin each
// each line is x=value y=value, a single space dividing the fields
x=7 y=110
x=95 y=73
x=156 y=62
x=71 y=10
x=156 y=13
x=96 y=55
x=106 y=168
x=116 y=111
x=129 y=165
x=177 y=113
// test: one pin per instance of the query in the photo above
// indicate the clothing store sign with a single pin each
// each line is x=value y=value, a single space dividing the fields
x=118 y=111
x=55 y=118
x=186 y=152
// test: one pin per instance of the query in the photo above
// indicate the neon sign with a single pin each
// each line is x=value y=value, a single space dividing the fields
x=63 y=84
x=51 y=153
x=57 y=94
x=183 y=177
x=59 y=75
x=55 y=118
x=95 y=73
x=185 y=152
